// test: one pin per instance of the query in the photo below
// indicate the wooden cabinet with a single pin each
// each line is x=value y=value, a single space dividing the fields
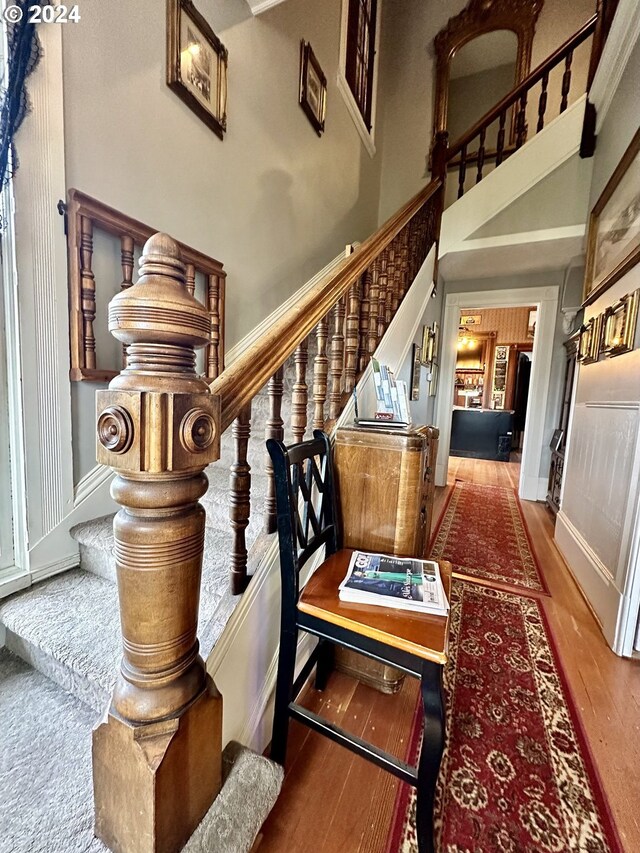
x=385 y=483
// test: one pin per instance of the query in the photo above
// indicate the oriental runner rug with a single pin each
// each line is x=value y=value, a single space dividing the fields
x=516 y=775
x=483 y=533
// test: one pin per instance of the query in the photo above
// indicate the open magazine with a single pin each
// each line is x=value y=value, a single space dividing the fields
x=401 y=582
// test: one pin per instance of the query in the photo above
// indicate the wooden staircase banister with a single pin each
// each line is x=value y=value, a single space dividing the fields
x=516 y=93
x=241 y=381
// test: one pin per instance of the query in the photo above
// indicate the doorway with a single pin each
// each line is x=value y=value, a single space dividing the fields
x=532 y=484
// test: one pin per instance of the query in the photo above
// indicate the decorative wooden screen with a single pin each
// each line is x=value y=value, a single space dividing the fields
x=84 y=216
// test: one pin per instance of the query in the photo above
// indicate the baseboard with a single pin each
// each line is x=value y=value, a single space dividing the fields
x=592 y=576
x=97 y=478
x=256 y=333
x=14 y=582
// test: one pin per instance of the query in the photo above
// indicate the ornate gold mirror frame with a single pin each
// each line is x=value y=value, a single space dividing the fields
x=476 y=19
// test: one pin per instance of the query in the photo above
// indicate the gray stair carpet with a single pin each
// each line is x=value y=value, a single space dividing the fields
x=45 y=775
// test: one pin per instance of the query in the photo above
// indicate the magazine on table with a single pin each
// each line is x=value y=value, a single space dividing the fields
x=402 y=582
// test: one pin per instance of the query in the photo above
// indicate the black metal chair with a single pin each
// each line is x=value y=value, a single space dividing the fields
x=413 y=642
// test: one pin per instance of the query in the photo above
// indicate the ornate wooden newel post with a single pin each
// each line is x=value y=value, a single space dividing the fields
x=156 y=755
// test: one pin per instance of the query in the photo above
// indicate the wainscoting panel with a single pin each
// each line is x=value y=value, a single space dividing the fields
x=601 y=483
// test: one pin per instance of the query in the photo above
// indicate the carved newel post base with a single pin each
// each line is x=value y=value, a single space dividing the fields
x=154 y=783
x=157 y=754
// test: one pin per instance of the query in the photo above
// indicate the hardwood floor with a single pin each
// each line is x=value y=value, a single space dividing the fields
x=334 y=801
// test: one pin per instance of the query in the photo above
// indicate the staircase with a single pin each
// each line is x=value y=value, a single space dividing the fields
x=63 y=636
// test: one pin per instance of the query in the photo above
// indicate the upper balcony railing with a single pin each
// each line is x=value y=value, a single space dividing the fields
x=509 y=120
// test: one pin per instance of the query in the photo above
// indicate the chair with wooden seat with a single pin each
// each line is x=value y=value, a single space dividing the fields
x=415 y=643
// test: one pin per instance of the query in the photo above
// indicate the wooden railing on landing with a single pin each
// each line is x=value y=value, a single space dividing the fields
x=348 y=312
x=86 y=215
x=459 y=153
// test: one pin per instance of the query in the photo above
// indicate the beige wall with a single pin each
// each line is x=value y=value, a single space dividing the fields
x=272 y=201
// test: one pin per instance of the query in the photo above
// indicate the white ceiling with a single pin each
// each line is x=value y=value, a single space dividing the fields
x=486 y=51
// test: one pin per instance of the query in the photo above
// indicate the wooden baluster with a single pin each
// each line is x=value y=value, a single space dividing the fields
x=222 y=289
x=481 y=152
x=385 y=285
x=336 y=364
x=299 y=397
x=88 y=292
x=521 y=122
x=158 y=428
x=274 y=428
x=213 y=306
x=351 y=337
x=320 y=370
x=405 y=280
x=393 y=286
x=240 y=500
x=363 y=349
x=500 y=140
x=190 y=279
x=374 y=305
x=126 y=262
x=462 y=171
x=566 y=82
x=542 y=103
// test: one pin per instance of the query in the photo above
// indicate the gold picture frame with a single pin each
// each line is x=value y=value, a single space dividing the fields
x=589 y=345
x=620 y=325
x=613 y=246
x=197 y=64
x=313 y=88
x=416 y=364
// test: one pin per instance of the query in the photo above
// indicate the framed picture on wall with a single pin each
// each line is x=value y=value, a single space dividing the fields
x=313 y=88
x=427 y=346
x=620 y=323
x=590 y=341
x=613 y=245
x=416 y=366
x=433 y=381
x=197 y=64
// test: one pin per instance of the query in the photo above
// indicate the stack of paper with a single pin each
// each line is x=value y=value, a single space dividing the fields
x=391 y=395
x=399 y=582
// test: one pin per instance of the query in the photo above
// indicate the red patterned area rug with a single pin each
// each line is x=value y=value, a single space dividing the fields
x=516 y=775
x=483 y=533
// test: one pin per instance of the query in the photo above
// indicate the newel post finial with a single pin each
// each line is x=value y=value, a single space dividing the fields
x=158 y=429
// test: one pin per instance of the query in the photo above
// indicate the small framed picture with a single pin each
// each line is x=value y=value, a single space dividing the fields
x=433 y=381
x=556 y=440
x=436 y=340
x=416 y=366
x=501 y=353
x=620 y=321
x=313 y=88
x=590 y=341
x=427 y=346
x=197 y=64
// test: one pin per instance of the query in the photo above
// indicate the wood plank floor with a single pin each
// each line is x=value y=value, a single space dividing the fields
x=334 y=801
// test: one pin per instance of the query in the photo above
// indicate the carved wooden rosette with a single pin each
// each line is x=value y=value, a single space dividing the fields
x=158 y=428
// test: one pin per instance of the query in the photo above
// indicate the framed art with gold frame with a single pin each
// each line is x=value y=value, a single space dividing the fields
x=197 y=64
x=590 y=341
x=416 y=364
x=620 y=323
x=613 y=246
x=426 y=351
x=313 y=88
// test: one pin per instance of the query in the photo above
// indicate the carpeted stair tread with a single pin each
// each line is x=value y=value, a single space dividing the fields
x=45 y=765
x=46 y=784
x=68 y=627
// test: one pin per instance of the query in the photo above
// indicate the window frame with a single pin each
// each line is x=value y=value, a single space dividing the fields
x=367 y=134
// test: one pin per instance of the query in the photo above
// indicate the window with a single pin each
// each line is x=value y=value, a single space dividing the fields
x=358 y=67
x=360 y=54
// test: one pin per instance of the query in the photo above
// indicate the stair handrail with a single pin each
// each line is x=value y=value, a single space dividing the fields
x=239 y=383
x=586 y=30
